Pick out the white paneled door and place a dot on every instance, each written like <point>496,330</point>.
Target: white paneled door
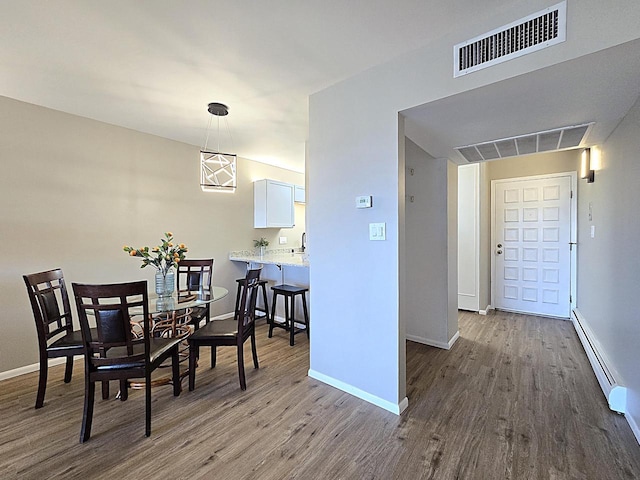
<point>531,245</point>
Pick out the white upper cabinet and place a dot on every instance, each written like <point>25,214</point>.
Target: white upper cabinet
<point>299,195</point>
<point>273,204</point>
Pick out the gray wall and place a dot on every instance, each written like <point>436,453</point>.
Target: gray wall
<point>354,149</point>
<point>609,264</point>
<point>74,190</point>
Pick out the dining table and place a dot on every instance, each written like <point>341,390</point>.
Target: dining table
<point>170,317</point>
<point>184,299</point>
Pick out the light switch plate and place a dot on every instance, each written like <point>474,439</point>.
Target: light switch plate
<point>283,240</point>
<point>377,231</point>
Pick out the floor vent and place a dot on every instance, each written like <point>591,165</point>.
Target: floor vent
<point>534,32</point>
<point>547,141</point>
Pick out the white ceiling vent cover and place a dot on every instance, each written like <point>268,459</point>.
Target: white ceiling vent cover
<point>534,32</point>
<point>548,141</point>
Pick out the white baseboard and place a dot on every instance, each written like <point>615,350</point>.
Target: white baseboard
<point>486,310</point>
<point>609,380</point>
<point>34,367</point>
<point>634,426</point>
<point>434,343</point>
<point>356,392</point>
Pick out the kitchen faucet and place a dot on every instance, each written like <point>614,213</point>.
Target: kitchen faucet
<point>304,240</point>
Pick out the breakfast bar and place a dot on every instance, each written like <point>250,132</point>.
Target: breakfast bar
<point>276,265</point>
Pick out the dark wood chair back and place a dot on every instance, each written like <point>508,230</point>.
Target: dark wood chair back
<point>113,307</point>
<point>247,316</point>
<point>194,275</point>
<point>50,304</point>
<point>54,324</point>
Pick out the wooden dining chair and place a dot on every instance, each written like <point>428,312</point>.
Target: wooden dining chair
<point>229,332</point>
<point>114,352</point>
<point>195,275</point>
<point>54,325</point>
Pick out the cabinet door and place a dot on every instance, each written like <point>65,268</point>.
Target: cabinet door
<point>299,194</point>
<point>273,204</point>
<point>279,204</point>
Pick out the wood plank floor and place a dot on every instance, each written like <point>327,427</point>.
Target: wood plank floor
<point>513,399</point>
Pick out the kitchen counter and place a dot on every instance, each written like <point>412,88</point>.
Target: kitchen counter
<point>280,257</point>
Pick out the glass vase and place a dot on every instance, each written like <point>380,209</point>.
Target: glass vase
<point>165,283</point>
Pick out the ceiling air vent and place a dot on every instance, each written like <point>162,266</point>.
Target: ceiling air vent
<point>548,141</point>
<point>534,32</point>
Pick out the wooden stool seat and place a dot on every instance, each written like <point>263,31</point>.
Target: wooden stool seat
<point>262,284</point>
<point>289,293</point>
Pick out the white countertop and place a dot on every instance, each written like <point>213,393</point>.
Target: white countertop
<point>272,257</point>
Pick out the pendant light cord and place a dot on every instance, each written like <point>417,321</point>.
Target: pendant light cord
<point>226,123</point>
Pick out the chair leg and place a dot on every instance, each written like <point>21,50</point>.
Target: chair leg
<point>87,414</point>
<point>243,382</point>
<point>213,356</point>
<point>253,349</point>
<point>105,389</point>
<point>68,369</point>
<point>147,404</point>
<point>42,380</point>
<point>124,389</point>
<point>175,367</point>
<point>193,353</point>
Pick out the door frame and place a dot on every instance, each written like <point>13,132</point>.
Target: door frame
<point>573,228</point>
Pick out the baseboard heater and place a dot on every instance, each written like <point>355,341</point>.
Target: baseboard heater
<point>615,393</point>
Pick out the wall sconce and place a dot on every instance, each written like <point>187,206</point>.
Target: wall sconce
<point>586,171</point>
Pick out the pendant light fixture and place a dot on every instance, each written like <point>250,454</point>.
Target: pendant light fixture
<point>217,169</point>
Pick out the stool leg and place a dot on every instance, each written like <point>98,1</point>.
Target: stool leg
<point>265,301</point>
<point>286,312</point>
<point>306,312</point>
<point>273,314</point>
<point>293,320</point>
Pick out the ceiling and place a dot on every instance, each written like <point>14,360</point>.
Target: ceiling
<point>599,88</point>
<point>154,65</point>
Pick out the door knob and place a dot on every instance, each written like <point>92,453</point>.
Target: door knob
<point>499,245</point>
<point>499,252</point>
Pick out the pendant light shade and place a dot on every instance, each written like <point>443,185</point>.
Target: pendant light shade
<point>217,169</point>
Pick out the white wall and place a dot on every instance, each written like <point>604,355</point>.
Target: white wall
<point>354,150</point>
<point>74,190</point>
<point>609,263</point>
<point>355,340</point>
<point>427,310</point>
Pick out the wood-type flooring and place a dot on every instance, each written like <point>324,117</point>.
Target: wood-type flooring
<point>515,398</point>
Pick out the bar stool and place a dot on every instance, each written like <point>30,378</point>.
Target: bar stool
<point>289,293</point>
<point>242,283</point>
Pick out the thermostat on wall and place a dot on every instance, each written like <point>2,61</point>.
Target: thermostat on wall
<point>364,201</point>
